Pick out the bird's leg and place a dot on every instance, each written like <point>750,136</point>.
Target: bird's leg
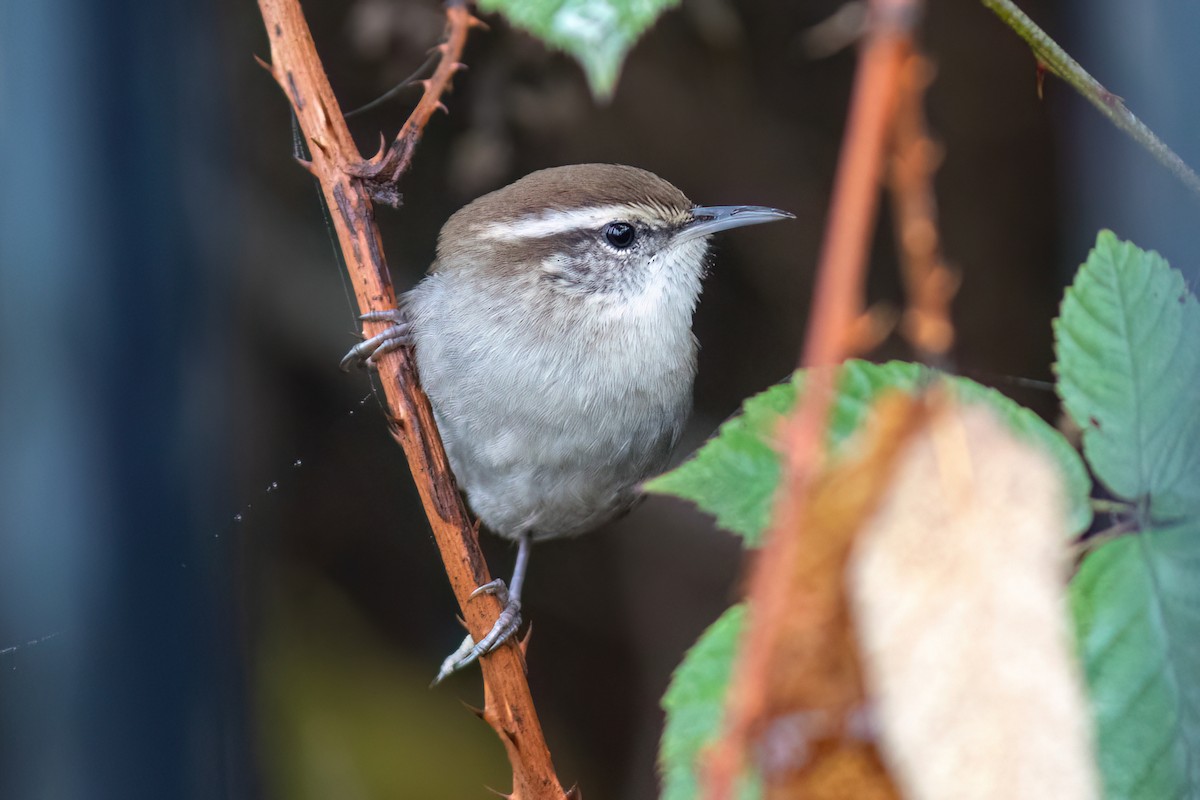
<point>367,353</point>
<point>506,624</point>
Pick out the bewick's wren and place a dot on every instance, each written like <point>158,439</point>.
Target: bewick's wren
<point>553,336</point>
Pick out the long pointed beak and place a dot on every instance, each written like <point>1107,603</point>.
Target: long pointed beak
<point>710,219</point>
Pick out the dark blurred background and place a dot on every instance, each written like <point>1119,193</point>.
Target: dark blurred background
<point>215,580</point>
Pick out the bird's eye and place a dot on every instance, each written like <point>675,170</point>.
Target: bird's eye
<point>619,234</point>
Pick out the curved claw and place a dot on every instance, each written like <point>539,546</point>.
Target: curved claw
<point>505,626</point>
<point>368,352</point>
<point>497,587</point>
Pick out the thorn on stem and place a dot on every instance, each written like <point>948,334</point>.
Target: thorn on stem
<point>523,643</point>
<point>919,73</point>
<point>375,159</point>
<point>505,732</point>
<point>871,328</point>
<point>265,65</point>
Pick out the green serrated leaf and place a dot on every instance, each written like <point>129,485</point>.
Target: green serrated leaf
<point>1128,349</point>
<point>734,475</point>
<point>695,702</point>
<point>1136,603</point>
<point>597,33</point>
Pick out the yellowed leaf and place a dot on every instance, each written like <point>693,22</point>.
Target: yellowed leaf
<point>812,742</point>
<point>957,588</point>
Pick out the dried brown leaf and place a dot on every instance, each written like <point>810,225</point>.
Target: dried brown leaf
<point>814,742</point>
<point>957,586</point>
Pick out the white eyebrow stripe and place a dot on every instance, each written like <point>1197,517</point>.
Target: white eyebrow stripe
<point>549,223</point>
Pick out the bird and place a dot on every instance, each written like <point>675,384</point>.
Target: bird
<point>553,337</point>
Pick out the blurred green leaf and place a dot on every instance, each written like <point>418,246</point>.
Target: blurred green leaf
<point>1136,603</point>
<point>695,702</point>
<point>1128,350</point>
<point>597,33</point>
<point>734,475</point>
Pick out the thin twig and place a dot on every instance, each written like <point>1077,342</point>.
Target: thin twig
<point>1056,60</point>
<point>297,68</point>
<point>836,308</point>
<point>929,284</point>
<point>383,170</point>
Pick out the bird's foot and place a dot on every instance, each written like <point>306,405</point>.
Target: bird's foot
<point>506,625</point>
<point>368,352</point>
